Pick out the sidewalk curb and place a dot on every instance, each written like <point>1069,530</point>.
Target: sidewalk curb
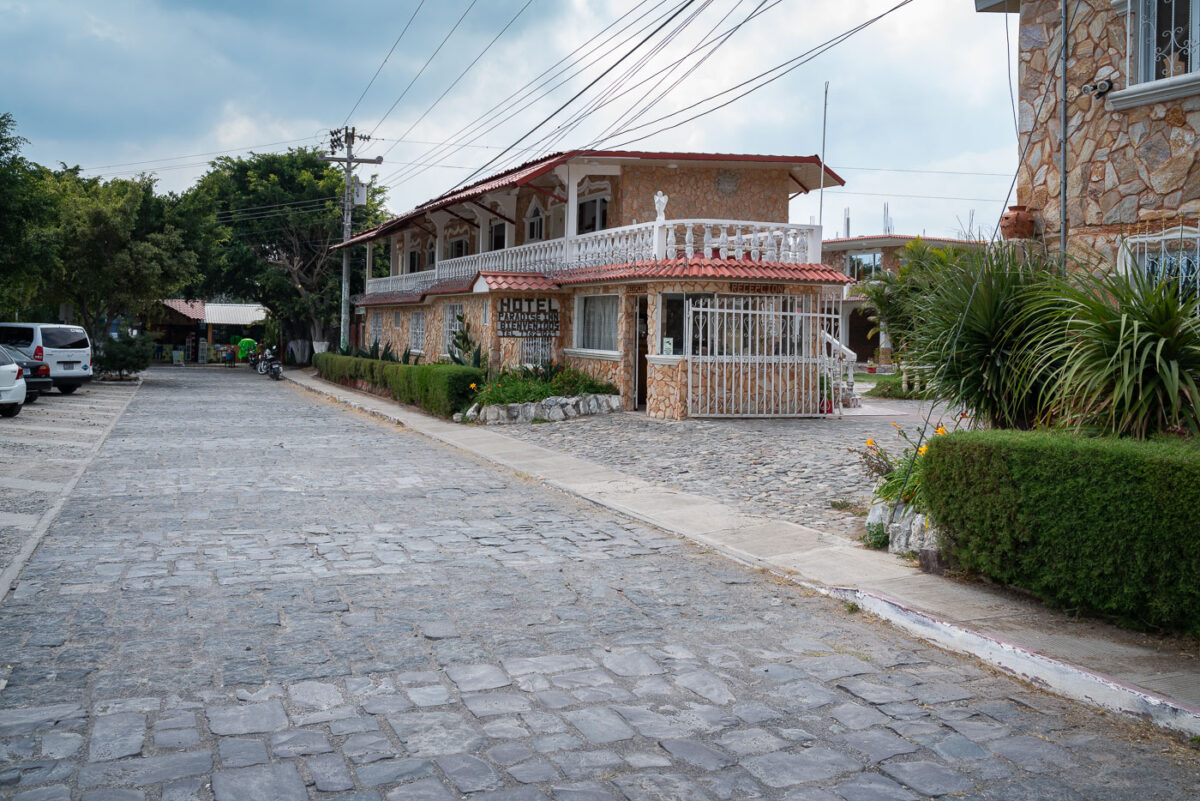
<point>1055,675</point>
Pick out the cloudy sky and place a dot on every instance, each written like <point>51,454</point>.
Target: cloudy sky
<point>919,107</point>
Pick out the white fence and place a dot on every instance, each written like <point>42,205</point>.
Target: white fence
<point>754,241</point>
<point>763,356</point>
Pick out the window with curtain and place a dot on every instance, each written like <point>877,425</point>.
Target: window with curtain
<point>416,330</point>
<point>597,327</point>
<point>376,327</point>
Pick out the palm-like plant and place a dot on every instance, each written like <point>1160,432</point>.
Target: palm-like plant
<point>973,324</point>
<point>1124,353</point>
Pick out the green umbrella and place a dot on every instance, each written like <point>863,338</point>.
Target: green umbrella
<point>245,346</point>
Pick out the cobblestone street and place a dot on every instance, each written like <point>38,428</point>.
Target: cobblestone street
<point>255,595</point>
<point>790,469</point>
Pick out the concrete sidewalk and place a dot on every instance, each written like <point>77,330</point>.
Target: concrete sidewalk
<point>1081,659</point>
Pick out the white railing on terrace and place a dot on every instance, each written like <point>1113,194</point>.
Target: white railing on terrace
<point>735,239</point>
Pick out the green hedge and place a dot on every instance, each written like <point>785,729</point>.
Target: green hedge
<point>1106,526</point>
<point>890,385</point>
<point>442,389</point>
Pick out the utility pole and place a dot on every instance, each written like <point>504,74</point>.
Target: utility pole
<point>338,138</point>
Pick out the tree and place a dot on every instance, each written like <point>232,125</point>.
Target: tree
<point>115,254</point>
<point>126,353</point>
<point>270,221</point>
<point>24,208</point>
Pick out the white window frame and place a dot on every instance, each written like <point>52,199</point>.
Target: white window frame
<point>503,226</point>
<point>376,335</point>
<point>465,241</point>
<point>416,331</point>
<point>535,214</point>
<point>580,325</point>
<point>414,261</point>
<point>396,319</point>
<point>1135,250</point>
<point>1142,87</point>
<point>597,199</point>
<point>450,325</point>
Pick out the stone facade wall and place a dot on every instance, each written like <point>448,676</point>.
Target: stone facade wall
<point>666,390</point>
<point>1132,171</point>
<point>703,192</point>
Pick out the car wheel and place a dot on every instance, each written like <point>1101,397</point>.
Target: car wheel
<point>10,410</point>
<point>30,397</point>
<point>67,389</point>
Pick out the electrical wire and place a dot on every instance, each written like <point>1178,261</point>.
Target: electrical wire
<point>578,94</point>
<point>489,120</point>
<point>424,66</point>
<point>395,44</point>
<point>433,105</point>
<point>782,69</point>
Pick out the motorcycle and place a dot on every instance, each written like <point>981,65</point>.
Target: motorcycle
<point>263,361</point>
<point>274,367</point>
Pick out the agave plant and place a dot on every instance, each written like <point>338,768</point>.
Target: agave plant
<point>975,325</point>
<point>1125,353</point>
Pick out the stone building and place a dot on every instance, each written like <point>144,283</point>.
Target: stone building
<point>1133,113</point>
<point>675,276</point>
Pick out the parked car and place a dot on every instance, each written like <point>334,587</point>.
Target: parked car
<point>37,374</point>
<point>12,385</point>
<point>65,348</point>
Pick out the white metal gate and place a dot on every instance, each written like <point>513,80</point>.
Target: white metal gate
<point>763,356</point>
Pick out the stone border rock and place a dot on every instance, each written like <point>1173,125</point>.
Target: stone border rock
<point>553,409</point>
<point>909,532</point>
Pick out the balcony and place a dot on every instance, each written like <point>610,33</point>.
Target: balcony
<point>736,239</point>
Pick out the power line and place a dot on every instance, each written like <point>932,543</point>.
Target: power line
<point>421,71</point>
<point>592,83</point>
<point>783,69</point>
<point>371,82</point>
<point>198,155</point>
<point>461,74</point>
<point>489,120</point>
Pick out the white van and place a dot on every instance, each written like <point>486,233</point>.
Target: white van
<point>66,348</point>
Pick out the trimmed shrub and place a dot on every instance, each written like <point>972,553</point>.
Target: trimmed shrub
<point>890,385</point>
<point>126,354</point>
<point>1102,525</point>
<point>440,389</point>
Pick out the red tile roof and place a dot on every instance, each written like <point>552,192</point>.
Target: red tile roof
<point>699,267</point>
<point>531,170</point>
<point>192,309</point>
<point>519,282</point>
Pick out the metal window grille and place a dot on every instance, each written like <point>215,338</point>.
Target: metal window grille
<point>376,327</point>
<point>416,330</point>
<point>1173,255</point>
<point>1167,37</point>
<point>451,324</point>
<point>537,350</point>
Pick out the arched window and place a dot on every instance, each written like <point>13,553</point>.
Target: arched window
<point>535,223</point>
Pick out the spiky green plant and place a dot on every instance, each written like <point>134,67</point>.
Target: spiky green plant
<point>974,324</point>
<point>1125,352</point>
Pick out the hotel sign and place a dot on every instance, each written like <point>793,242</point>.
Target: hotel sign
<point>527,317</point>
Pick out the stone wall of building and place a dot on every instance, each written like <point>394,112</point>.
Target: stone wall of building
<point>666,390</point>
<point>1131,171</point>
<point>704,193</point>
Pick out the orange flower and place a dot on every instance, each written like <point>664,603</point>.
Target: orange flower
<point>893,425</point>
<point>941,431</point>
<point>870,443</point>
<point>472,386</point>
<point>921,450</point>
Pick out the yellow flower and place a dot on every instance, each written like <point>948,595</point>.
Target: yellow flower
<point>472,386</point>
<point>941,431</point>
<point>921,450</point>
<point>870,443</point>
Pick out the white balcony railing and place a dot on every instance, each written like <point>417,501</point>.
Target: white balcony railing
<point>736,239</point>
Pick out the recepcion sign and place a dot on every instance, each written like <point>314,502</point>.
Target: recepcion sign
<point>527,317</point>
